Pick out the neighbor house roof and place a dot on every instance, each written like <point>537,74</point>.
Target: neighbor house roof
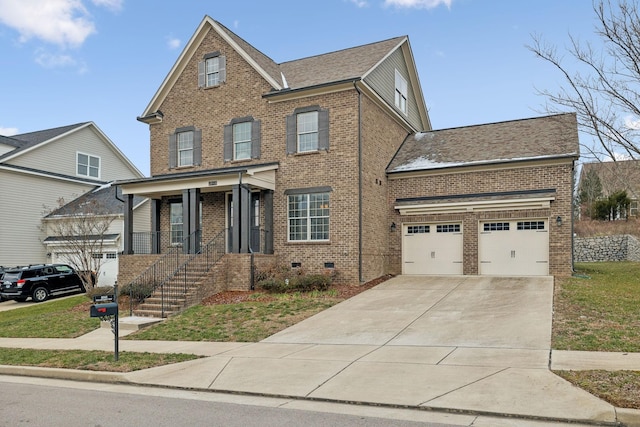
<point>518,140</point>
<point>28,140</point>
<point>616,176</point>
<point>104,200</point>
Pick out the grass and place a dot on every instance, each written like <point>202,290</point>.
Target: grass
<point>600,311</point>
<point>250,321</point>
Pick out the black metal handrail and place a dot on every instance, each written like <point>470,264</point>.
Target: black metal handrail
<point>169,278</point>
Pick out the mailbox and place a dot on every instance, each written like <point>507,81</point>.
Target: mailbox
<point>103,310</point>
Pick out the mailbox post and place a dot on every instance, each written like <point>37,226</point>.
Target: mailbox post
<point>108,311</point>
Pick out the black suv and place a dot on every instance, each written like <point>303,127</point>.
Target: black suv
<point>39,282</point>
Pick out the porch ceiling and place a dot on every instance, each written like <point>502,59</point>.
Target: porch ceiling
<point>221,180</point>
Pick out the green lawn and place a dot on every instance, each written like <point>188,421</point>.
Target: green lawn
<point>600,310</point>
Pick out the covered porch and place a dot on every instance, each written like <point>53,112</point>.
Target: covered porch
<point>191,208</point>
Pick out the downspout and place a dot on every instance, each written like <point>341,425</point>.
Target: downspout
<point>355,85</point>
<point>573,210</point>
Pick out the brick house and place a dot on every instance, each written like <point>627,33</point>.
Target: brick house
<point>305,162</point>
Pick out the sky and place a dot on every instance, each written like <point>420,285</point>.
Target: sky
<point>69,61</point>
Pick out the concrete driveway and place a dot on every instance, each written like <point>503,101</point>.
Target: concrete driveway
<point>453,311</point>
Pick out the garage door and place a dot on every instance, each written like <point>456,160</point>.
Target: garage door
<point>514,248</point>
<point>432,249</point>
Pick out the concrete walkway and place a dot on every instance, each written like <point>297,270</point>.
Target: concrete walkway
<point>457,345</point>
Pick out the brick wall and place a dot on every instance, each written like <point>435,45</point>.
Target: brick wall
<point>556,176</point>
<point>131,266</point>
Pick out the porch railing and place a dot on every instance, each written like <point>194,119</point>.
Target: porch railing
<point>170,277</point>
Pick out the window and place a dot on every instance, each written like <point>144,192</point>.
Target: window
<point>112,256</point>
<point>401,92</point>
<point>96,256</point>
<point>88,165</point>
<point>212,70</point>
<point>308,130</point>
<point>448,228</point>
<point>185,147</point>
<point>418,229</point>
<point>242,139</point>
<point>633,208</point>
<point>531,225</point>
<point>496,226</point>
<point>309,217</point>
<point>176,223</point>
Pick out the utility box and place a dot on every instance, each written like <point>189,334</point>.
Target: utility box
<point>103,310</point>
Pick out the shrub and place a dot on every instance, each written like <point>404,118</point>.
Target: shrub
<point>282,279</point>
<point>137,291</point>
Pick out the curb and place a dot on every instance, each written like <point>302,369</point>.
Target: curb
<point>64,374</point>
<point>628,417</point>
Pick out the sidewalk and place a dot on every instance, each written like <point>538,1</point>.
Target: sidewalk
<point>351,354</point>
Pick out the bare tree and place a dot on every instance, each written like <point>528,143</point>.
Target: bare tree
<point>602,82</point>
<point>79,229</point>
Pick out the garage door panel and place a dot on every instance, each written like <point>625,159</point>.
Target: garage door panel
<point>432,249</point>
<point>514,248</point>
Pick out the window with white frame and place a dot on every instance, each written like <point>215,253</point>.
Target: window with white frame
<point>633,208</point>
<point>176,223</point>
<point>88,165</point>
<point>307,131</point>
<point>212,70</point>
<point>242,141</point>
<point>185,148</point>
<point>401,92</point>
<point>308,217</point>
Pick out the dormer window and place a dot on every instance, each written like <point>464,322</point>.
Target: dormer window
<point>88,165</point>
<point>401,92</point>
<point>212,70</point>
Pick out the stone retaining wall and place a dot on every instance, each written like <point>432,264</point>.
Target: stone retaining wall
<point>606,248</point>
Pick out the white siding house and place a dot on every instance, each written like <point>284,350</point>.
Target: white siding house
<point>38,171</point>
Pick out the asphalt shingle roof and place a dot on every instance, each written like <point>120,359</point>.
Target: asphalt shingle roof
<point>535,138</point>
<point>100,201</point>
<point>30,139</point>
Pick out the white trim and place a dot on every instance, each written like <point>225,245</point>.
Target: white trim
<point>49,175</point>
<point>89,156</point>
<point>485,205</point>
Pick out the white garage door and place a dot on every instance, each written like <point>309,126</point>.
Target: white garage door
<point>514,248</point>
<point>432,249</point>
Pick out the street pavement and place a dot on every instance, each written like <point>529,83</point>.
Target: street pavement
<point>468,350</point>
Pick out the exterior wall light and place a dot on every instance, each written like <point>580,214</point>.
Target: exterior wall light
<point>558,220</point>
<point>393,226</point>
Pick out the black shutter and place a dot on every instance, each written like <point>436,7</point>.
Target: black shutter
<point>201,74</point>
<point>255,139</point>
<point>292,142</point>
<point>228,143</point>
<point>222,68</point>
<point>173,151</point>
<point>197,147</point>
<point>323,129</point>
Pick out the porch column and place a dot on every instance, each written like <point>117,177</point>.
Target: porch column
<point>194,220</point>
<point>155,226</point>
<point>245,219</point>
<point>128,224</point>
<point>268,221</point>
<point>241,196</point>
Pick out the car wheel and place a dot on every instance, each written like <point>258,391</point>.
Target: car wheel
<point>40,294</point>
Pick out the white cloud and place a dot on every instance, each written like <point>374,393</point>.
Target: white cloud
<point>632,123</point>
<point>58,60</point>
<point>173,43</point>
<point>66,23</point>
<point>114,5</point>
<point>360,3</point>
<point>8,131</point>
<point>418,4</point>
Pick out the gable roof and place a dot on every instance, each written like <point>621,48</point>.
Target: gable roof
<point>104,200</point>
<point>351,64</point>
<point>32,140</point>
<point>539,138</point>
<point>616,176</point>
<point>7,140</point>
